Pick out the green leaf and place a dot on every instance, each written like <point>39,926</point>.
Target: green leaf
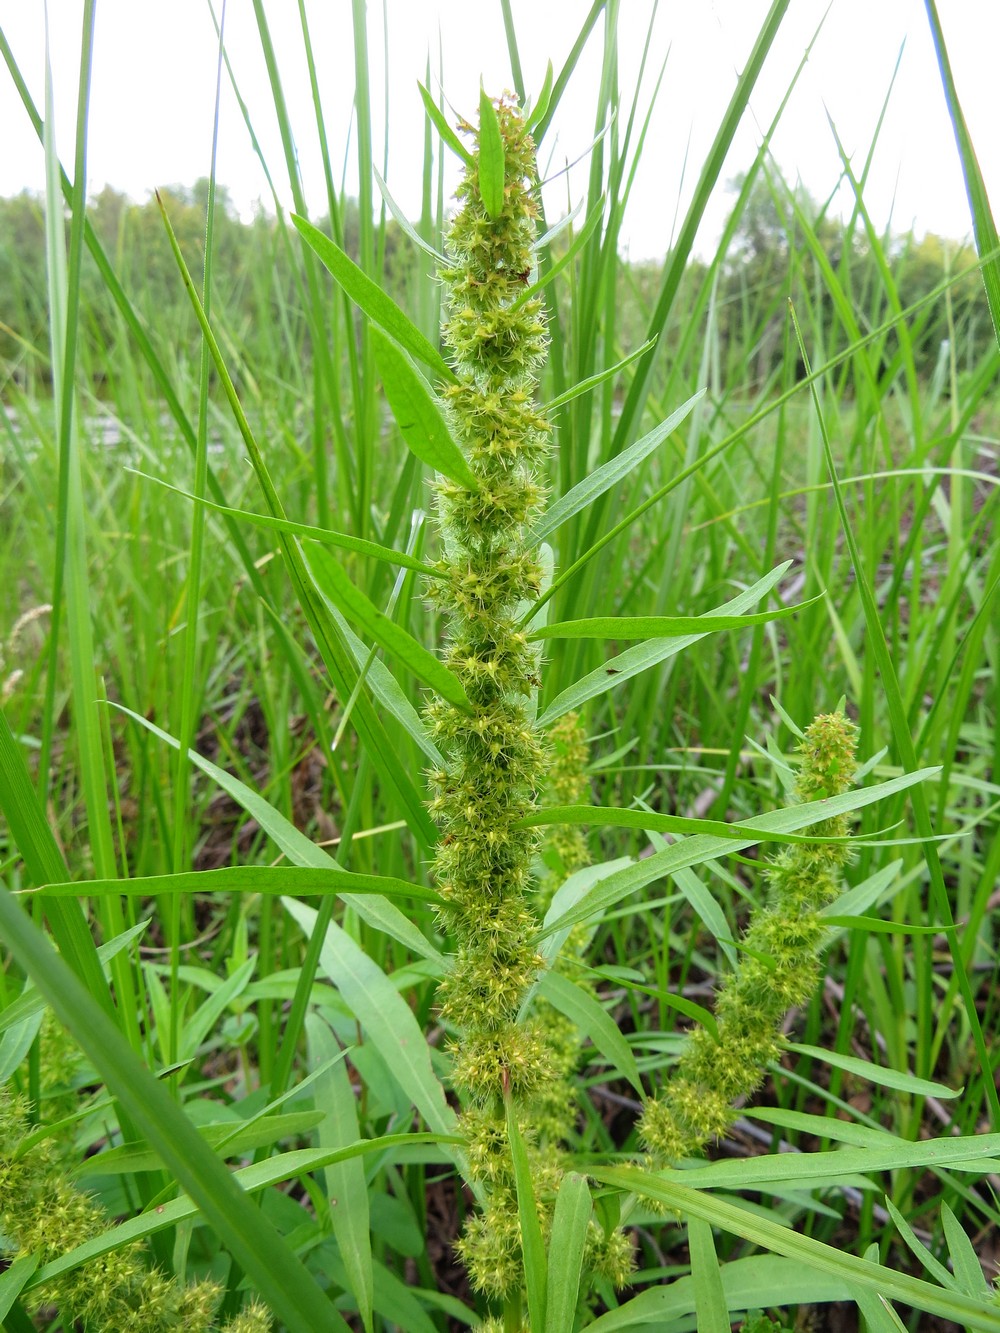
<point>605,816</point>
<point>322,535</point>
<point>418,413</point>
<point>224,1138</point>
<point>594,1022</point>
<point>532,1246</point>
<point>706,1278</point>
<point>384,1015</point>
<point>566,1246</point>
<point>987,240</point>
<point>33,838</point>
<point>335,584</point>
<point>12,1282</point>
<point>973,1153</point>
<point>556,267</point>
<point>370,298</point>
<point>755,1283</point>
<point>387,689</point>
<point>617,670</point>
<point>823,1259</point>
<point>280,880</point>
<point>491,157</point>
<point>448,135</point>
<point>301,850</point>
<point>964,1260</point>
<point>367,723</point>
<point>30,1002</point>
<point>878,1074</point>
<point>346,1186</point>
<point>592,381</point>
<point>251,1179</point>
<point>542,105</point>
<point>603,478</point>
<point>259,1249</point>
<point>641,627</point>
<point>694,851</point>
<point>404,222</point>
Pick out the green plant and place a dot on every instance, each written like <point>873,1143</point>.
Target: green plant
<point>247,825</point>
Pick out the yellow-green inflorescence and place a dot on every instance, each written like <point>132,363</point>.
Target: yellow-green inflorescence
<point>45,1215</point>
<point>497,759</point>
<point>496,756</point>
<point>780,965</point>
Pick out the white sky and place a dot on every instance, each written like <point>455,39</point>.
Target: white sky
<point>154,87</point>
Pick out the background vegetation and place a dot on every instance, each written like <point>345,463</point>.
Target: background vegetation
<point>179,698</point>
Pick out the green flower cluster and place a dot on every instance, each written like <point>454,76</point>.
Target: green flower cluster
<point>43,1214</point>
<point>780,966</point>
<point>498,762</point>
<point>496,757</point>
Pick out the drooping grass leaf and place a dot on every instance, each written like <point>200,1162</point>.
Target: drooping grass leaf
<point>418,413</point>
<point>224,1138</point>
<point>759,1282</point>
<point>617,670</point>
<point>251,1179</point>
<point>601,816</point>
<point>885,1077</point>
<point>299,849</point>
<point>824,1259</point>
<point>342,539</point>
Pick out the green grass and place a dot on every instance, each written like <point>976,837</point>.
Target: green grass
<point>205,688</point>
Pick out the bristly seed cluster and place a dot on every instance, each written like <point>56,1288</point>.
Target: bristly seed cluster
<point>496,757</point>
<point>779,969</point>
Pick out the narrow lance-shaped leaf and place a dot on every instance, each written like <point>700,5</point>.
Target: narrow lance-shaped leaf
<point>448,135</point>
<point>600,480</point>
<point>491,157</point>
<point>542,105</point>
<point>966,1311</point>
<point>641,627</point>
<point>592,381</point>
<point>695,851</point>
<point>418,413</point>
<point>615,672</point>
<point>532,1246</point>
<point>335,584</point>
<point>323,535</point>
<point>370,298</point>
<point>302,880</point>
<point>566,1246</point>
<point>594,1021</point>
